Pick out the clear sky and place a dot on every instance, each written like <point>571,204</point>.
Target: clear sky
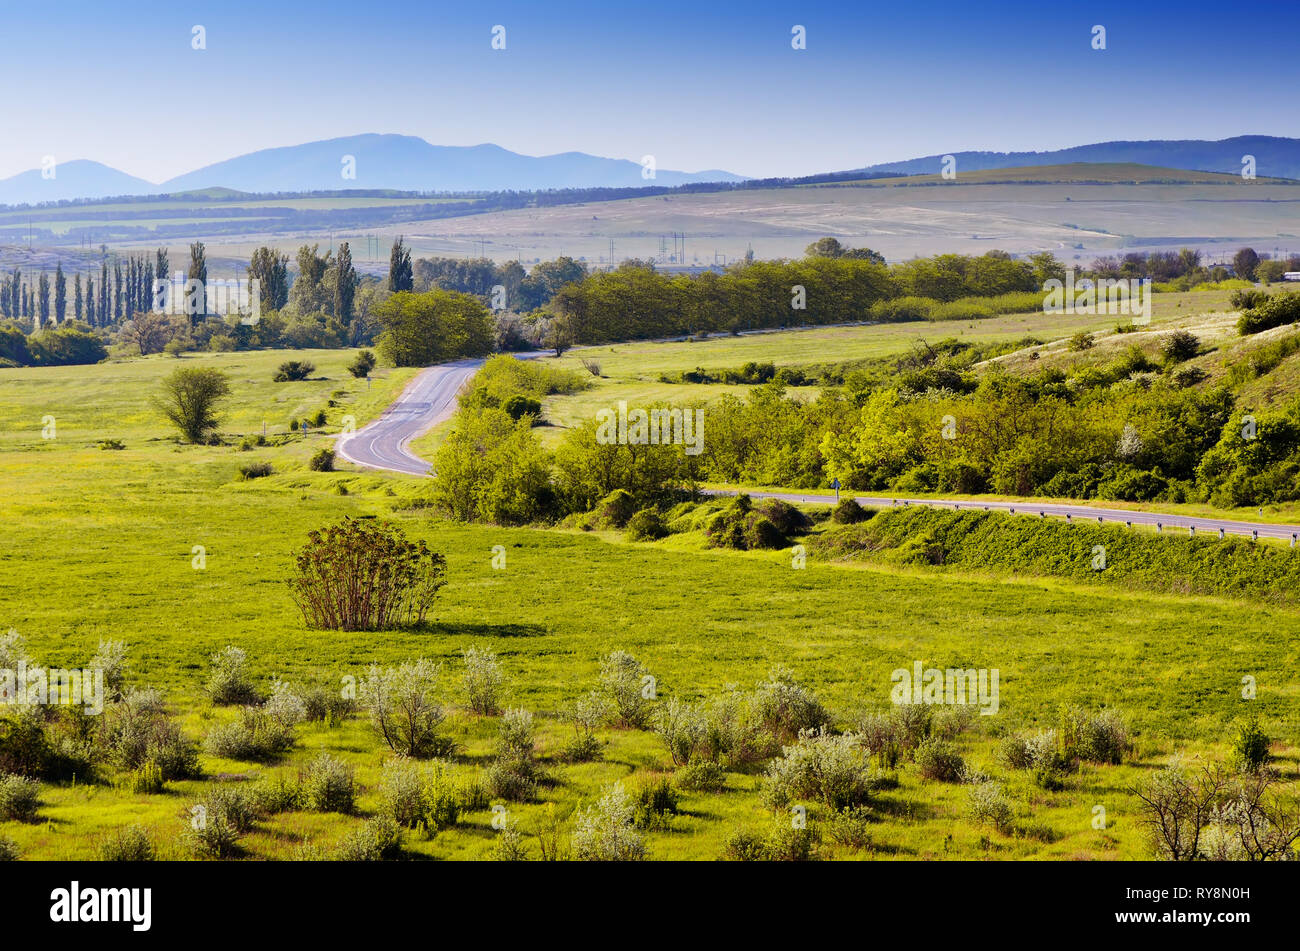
<point>696,84</point>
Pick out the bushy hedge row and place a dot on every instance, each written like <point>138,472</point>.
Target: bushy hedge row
<point>1268,312</point>
<point>1027,545</point>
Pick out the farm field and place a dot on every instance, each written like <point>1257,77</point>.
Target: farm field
<point>1078,211</point>
<point>100,544</point>
<point>1076,221</point>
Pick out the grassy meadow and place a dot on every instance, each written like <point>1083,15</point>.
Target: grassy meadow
<point>100,543</point>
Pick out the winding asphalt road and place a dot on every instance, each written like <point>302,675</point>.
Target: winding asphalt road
<point>427,400</point>
<point>431,398</point>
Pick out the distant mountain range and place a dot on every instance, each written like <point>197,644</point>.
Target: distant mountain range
<point>408,163</point>
<point>402,162</point>
<point>1275,157</point>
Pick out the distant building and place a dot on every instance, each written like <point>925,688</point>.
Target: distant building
<point>1291,276</point>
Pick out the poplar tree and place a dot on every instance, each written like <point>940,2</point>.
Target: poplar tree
<point>60,294</point>
<point>43,298</point>
<point>271,270</point>
<point>198,272</point>
<point>401,277</point>
<point>345,285</point>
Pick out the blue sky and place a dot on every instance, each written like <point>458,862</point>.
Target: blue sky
<point>697,85</point>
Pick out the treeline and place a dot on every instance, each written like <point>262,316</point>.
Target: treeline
<point>994,541</point>
<point>121,292</point>
<point>1183,270</point>
<point>634,301</point>
<point>521,290</point>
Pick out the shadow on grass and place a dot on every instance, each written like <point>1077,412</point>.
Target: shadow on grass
<point>477,630</point>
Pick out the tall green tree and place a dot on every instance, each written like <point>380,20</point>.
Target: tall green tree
<point>117,292</point>
<point>198,271</point>
<point>1244,263</point>
<point>77,303</point>
<point>345,285</point>
<point>43,298</point>
<point>271,270</point>
<point>400,275</point>
<point>60,294</point>
<point>190,398</point>
<point>309,293</point>
<point>422,329</point>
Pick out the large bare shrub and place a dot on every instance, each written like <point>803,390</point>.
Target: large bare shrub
<point>355,576</point>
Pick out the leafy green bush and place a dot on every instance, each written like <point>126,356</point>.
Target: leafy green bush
<point>987,805</point>
<point>849,512</point>
<point>1081,341</point>
<point>786,708</point>
<point>130,844</point>
<point>615,510</point>
<point>256,470</point>
<point>509,846</point>
<point>404,709</point>
<point>147,778</point>
<point>829,769</point>
<point>623,681</point>
<point>362,365</point>
<point>1250,744</point>
<point>740,526</point>
<point>322,461</point>
<point>1179,346</point>
<point>851,827</point>
<point>790,843</point>
<point>377,839</point>
<point>744,845</point>
<point>254,735</point>
<point>682,727</point>
<point>20,797</point>
<point>8,849</point>
<point>606,831</point>
<point>936,759</point>
<point>586,716</point>
<point>482,681</point>
<point>421,797</point>
<point>229,681</point>
<point>655,804</point>
<point>327,785</point>
<point>702,776</point>
<point>1272,312</point>
<point>276,795</point>
<point>519,406</point>
<point>215,825</point>
<point>140,732</point>
<point>646,525</point>
<point>514,774</point>
<point>293,370</point>
<point>492,468</point>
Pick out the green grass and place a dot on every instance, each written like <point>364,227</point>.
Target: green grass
<point>630,371</point>
<point>99,544</point>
